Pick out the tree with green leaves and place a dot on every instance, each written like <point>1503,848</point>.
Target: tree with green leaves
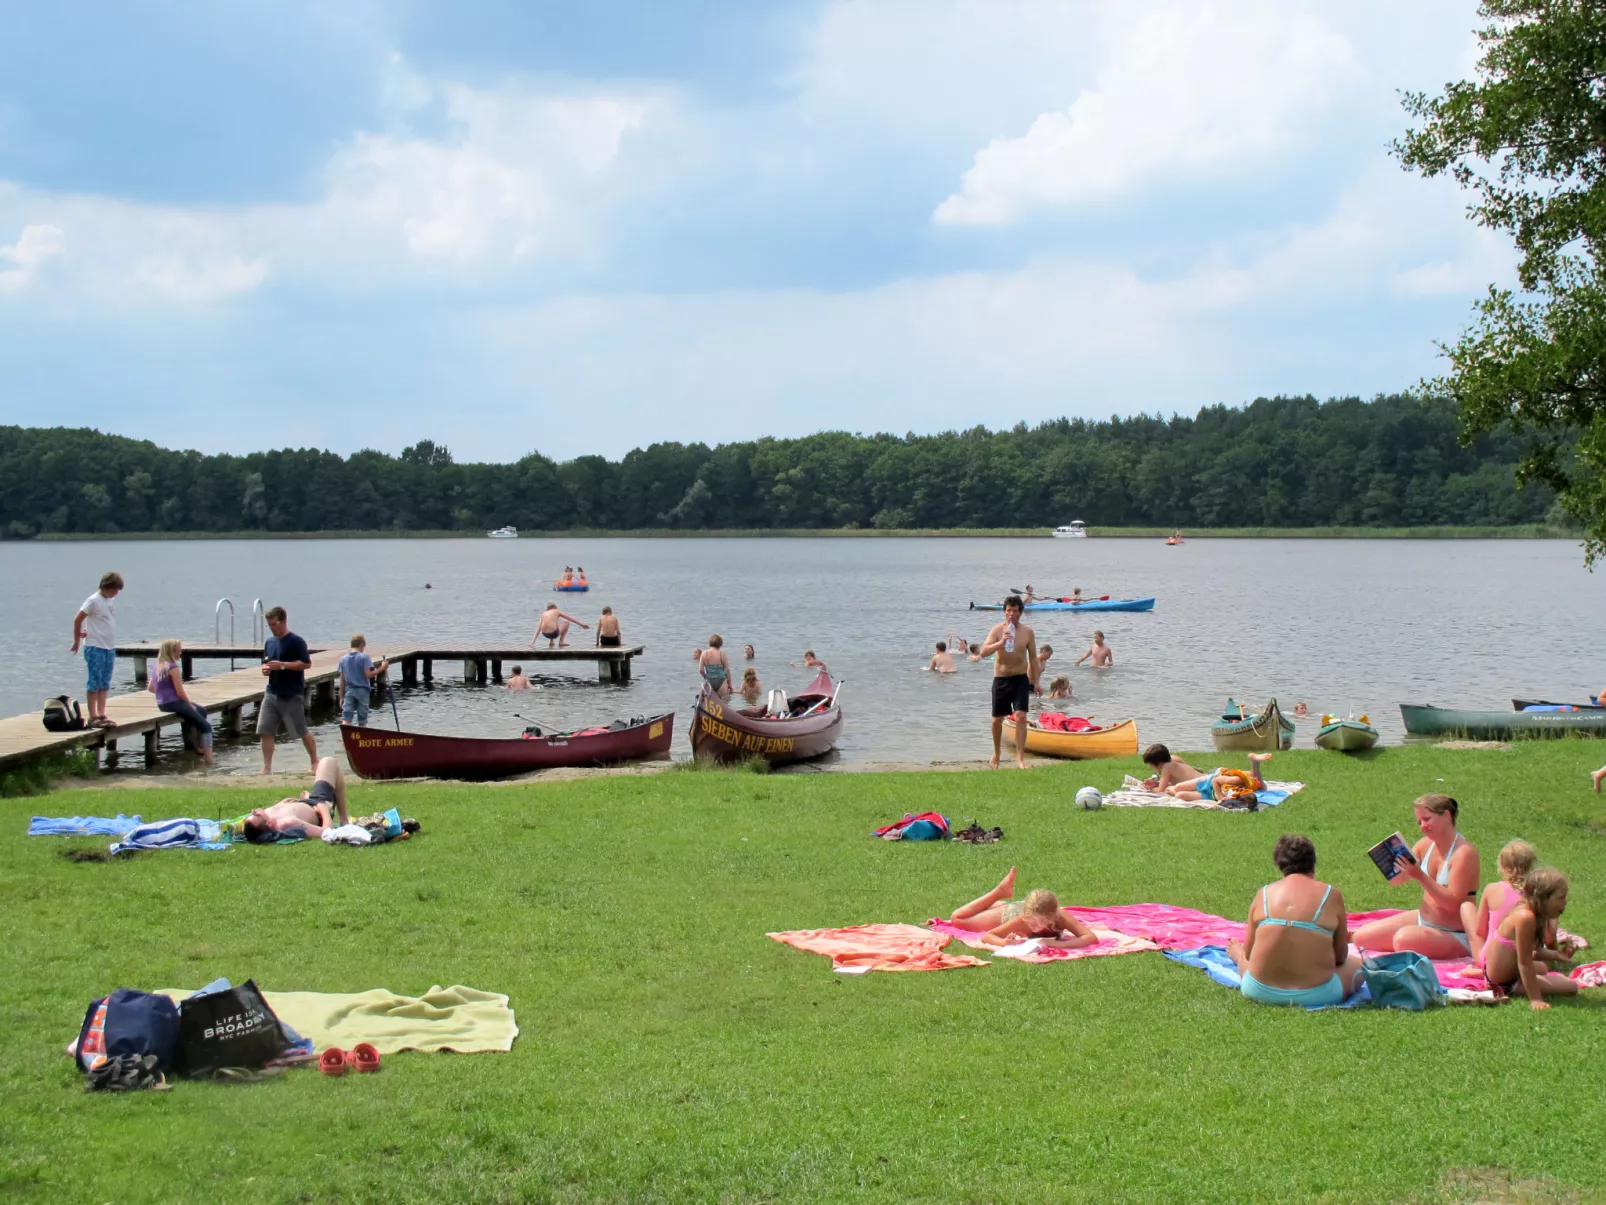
<point>1528,139</point>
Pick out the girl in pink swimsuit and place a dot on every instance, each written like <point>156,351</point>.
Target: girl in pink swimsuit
<point>1499,898</point>
<point>1514,949</point>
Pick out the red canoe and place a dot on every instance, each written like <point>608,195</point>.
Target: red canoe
<point>720,732</point>
<point>379,753</point>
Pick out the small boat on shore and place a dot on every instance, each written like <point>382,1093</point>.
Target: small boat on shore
<point>1241,729</point>
<point>1075,530</point>
<point>1525,704</point>
<point>1423,720</point>
<point>809,727</point>
<point>1116,740</point>
<point>1091,604</point>
<point>1346,735</point>
<point>504,533</point>
<point>381,753</point>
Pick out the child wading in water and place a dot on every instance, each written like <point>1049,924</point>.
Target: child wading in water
<point>1003,921</point>
<point>1516,945</point>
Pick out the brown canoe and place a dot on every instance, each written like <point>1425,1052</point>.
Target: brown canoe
<point>380,753</point>
<point>721,732</point>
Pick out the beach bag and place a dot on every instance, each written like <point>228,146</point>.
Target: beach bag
<point>1402,980</point>
<point>231,1027</point>
<point>128,1022</point>
<point>63,714</point>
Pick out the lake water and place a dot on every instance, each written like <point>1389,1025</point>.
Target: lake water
<point>1342,624</point>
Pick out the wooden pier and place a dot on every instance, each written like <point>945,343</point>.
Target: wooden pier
<point>227,695</point>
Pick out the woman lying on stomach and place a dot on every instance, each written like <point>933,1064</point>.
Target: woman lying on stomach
<point>1296,945</point>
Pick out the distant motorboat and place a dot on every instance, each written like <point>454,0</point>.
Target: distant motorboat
<point>504,533</point>
<point>1072,531</point>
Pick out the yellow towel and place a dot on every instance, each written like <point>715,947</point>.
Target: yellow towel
<point>457,1018</point>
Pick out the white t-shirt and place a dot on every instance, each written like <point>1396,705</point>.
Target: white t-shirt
<point>100,621</point>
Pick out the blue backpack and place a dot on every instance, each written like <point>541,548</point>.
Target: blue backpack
<point>129,1022</point>
<point>1402,980</point>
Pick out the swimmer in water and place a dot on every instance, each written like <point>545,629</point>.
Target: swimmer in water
<point>1099,652</point>
<point>752,689</point>
<point>516,680</point>
<point>942,663</point>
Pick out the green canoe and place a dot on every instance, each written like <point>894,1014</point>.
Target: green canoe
<point>1346,736</point>
<point>1242,729</point>
<point>1497,725</point>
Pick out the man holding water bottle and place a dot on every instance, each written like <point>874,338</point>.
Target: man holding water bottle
<point>1013,647</point>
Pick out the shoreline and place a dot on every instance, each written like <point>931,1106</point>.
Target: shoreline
<point>1527,531</point>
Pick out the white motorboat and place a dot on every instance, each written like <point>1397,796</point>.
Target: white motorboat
<point>1073,531</point>
<point>504,533</point>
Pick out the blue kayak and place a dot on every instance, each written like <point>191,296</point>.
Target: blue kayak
<point>1092,604</point>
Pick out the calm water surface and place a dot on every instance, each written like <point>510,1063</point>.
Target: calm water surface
<point>1341,624</point>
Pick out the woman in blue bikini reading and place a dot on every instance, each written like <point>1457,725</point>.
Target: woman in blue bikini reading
<point>1296,945</point>
<point>1447,867</point>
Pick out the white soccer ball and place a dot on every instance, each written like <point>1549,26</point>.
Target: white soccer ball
<point>1090,798</point>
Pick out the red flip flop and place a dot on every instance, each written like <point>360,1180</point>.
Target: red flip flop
<point>364,1057</point>
<point>332,1061</point>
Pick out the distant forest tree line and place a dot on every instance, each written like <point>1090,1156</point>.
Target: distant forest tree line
<point>1395,461</point>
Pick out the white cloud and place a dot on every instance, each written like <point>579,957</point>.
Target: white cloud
<point>36,244</point>
<point>1190,90</point>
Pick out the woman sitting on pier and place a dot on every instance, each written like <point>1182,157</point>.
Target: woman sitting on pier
<point>168,686</point>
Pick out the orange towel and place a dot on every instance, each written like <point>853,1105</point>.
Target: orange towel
<point>860,948</point>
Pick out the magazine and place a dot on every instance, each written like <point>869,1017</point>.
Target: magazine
<point>1390,854</point>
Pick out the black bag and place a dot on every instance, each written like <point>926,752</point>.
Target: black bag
<point>128,1022</point>
<point>63,714</point>
<point>233,1027</point>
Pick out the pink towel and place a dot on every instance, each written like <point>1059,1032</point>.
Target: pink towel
<point>1591,974</point>
<point>878,948</point>
<point>1109,943</point>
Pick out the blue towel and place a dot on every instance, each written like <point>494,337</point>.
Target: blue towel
<point>1215,962</point>
<point>178,833</point>
<point>81,826</point>
<point>1270,798</point>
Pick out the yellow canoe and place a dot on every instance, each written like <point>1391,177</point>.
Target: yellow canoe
<point>1118,740</point>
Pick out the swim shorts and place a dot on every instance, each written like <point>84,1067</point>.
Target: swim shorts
<point>1011,694</point>
<point>275,712</point>
<point>323,791</point>
<point>99,663</point>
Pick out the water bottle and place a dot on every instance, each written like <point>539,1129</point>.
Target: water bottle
<point>1009,638</point>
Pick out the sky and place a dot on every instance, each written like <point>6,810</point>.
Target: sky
<point>522,225</point>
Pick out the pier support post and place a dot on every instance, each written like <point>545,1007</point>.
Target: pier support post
<point>624,668</point>
<point>230,722</point>
<point>142,674</point>
<point>410,672</point>
<point>151,737</point>
<point>468,671</point>
<point>429,670</point>
<point>111,754</point>
<point>496,671</point>
<point>188,665</point>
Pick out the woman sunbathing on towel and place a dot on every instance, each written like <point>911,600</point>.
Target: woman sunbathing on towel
<point>1222,784</point>
<point>1436,928</point>
<point>1003,921</point>
<point>1296,944</point>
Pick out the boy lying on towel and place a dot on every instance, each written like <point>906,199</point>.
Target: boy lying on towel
<point>1224,785</point>
<point>305,815</point>
<point>1169,771</point>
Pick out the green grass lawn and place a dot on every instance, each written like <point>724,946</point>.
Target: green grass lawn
<point>671,1052</point>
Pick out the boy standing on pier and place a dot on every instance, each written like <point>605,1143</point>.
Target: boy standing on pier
<point>95,627</point>
<point>285,662</point>
<point>357,674</point>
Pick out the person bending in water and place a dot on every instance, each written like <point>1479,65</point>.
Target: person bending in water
<point>554,627</point>
<point>1013,647</point>
<point>715,666</point>
<point>305,815</point>
<point>1100,652</point>
<point>1168,770</point>
<point>1004,921</point>
<point>752,689</point>
<point>1296,944</point>
<point>1435,929</point>
<point>942,663</point>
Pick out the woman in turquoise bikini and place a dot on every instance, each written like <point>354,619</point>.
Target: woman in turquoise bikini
<point>1296,945</point>
<point>1436,929</point>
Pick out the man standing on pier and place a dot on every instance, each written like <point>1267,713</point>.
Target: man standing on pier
<point>285,662</point>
